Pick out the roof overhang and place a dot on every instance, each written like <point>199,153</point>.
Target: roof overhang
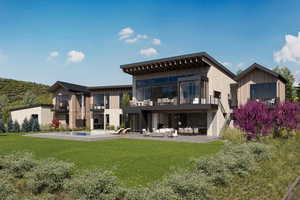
<point>262,68</point>
<point>194,60</point>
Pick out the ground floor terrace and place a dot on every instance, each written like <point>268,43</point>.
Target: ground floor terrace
<point>184,120</point>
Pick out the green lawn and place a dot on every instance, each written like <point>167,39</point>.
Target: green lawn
<point>135,162</point>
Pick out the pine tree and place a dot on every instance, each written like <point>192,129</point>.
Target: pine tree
<point>2,126</point>
<point>26,126</point>
<point>16,127</point>
<point>35,125</point>
<point>30,124</point>
<point>10,126</point>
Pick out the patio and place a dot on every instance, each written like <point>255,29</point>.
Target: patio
<point>108,136</point>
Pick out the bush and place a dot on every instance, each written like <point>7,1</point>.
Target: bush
<point>157,192</point>
<point>55,123</point>
<point>10,126</point>
<point>2,126</point>
<point>94,184</point>
<point>35,125</point>
<point>26,126</point>
<point>260,151</point>
<point>49,176</point>
<point>17,164</point>
<point>16,127</point>
<point>189,186</point>
<point>7,190</point>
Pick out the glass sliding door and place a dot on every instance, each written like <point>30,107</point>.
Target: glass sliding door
<point>189,92</point>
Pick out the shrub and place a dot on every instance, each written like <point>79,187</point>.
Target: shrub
<point>49,176</point>
<point>26,126</point>
<point>17,163</point>
<point>7,190</point>
<point>189,186</point>
<point>157,192</point>
<point>55,123</point>
<point>10,126</point>
<point>16,127</point>
<point>35,125</point>
<point>254,118</point>
<point>2,126</point>
<point>260,151</point>
<point>94,184</point>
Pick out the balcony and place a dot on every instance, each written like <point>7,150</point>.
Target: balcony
<point>97,108</point>
<point>61,108</point>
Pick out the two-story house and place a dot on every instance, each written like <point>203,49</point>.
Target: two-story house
<point>77,106</point>
<point>194,93</point>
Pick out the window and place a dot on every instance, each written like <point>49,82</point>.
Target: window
<point>263,91</point>
<point>107,101</point>
<point>121,120</point>
<point>35,116</point>
<point>189,92</point>
<point>217,94</point>
<point>107,119</point>
<point>99,100</point>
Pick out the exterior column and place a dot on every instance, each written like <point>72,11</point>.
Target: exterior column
<point>72,111</point>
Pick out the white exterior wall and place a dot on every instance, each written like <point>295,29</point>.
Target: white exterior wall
<point>114,117</point>
<point>218,81</point>
<point>45,115</point>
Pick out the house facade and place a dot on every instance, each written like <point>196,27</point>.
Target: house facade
<point>190,93</point>
<point>77,106</point>
<point>194,93</point>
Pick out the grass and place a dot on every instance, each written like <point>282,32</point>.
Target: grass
<point>273,177</point>
<point>135,162</point>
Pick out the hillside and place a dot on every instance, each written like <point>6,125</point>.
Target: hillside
<point>14,93</point>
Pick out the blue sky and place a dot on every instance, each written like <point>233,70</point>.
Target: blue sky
<point>85,42</point>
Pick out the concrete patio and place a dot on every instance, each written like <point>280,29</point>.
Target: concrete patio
<point>60,135</point>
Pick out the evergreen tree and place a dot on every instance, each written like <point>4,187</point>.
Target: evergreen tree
<point>30,123</point>
<point>2,126</point>
<point>26,126</point>
<point>35,125</point>
<point>10,126</point>
<point>288,75</point>
<point>16,127</point>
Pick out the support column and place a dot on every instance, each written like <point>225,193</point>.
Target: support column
<point>72,111</point>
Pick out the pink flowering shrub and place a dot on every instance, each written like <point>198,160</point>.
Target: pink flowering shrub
<point>258,119</point>
<point>254,118</point>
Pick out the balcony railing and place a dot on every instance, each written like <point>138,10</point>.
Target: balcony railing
<point>174,101</point>
<point>58,107</point>
<point>96,107</point>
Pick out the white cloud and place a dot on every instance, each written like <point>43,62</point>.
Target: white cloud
<point>52,55</point>
<point>125,33</point>
<point>227,64</point>
<point>148,52</point>
<point>156,41</point>
<point>75,56</point>
<point>290,52</point>
<point>135,39</point>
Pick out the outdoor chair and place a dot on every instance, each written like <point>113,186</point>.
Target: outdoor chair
<point>119,131</point>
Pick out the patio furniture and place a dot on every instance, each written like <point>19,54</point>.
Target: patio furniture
<point>125,130</point>
<point>119,131</point>
<point>146,133</point>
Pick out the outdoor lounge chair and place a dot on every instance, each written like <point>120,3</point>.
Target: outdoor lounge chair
<point>119,131</point>
<point>125,130</point>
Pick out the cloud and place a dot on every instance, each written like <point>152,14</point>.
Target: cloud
<point>125,33</point>
<point>75,56</point>
<point>156,41</point>
<point>135,39</point>
<point>148,52</point>
<point>227,64</point>
<point>52,55</point>
<point>290,52</point>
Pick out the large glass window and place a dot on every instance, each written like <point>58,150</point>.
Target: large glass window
<point>189,92</point>
<point>263,91</point>
<point>62,101</point>
<point>99,100</point>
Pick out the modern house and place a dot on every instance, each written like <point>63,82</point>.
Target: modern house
<point>78,106</point>
<point>42,112</point>
<point>194,93</point>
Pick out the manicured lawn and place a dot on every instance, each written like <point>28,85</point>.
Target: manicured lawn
<point>135,162</point>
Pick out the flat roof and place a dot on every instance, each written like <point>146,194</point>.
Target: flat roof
<point>31,106</point>
<point>107,87</point>
<point>172,63</point>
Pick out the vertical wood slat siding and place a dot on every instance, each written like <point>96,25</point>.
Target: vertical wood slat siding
<point>257,76</point>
